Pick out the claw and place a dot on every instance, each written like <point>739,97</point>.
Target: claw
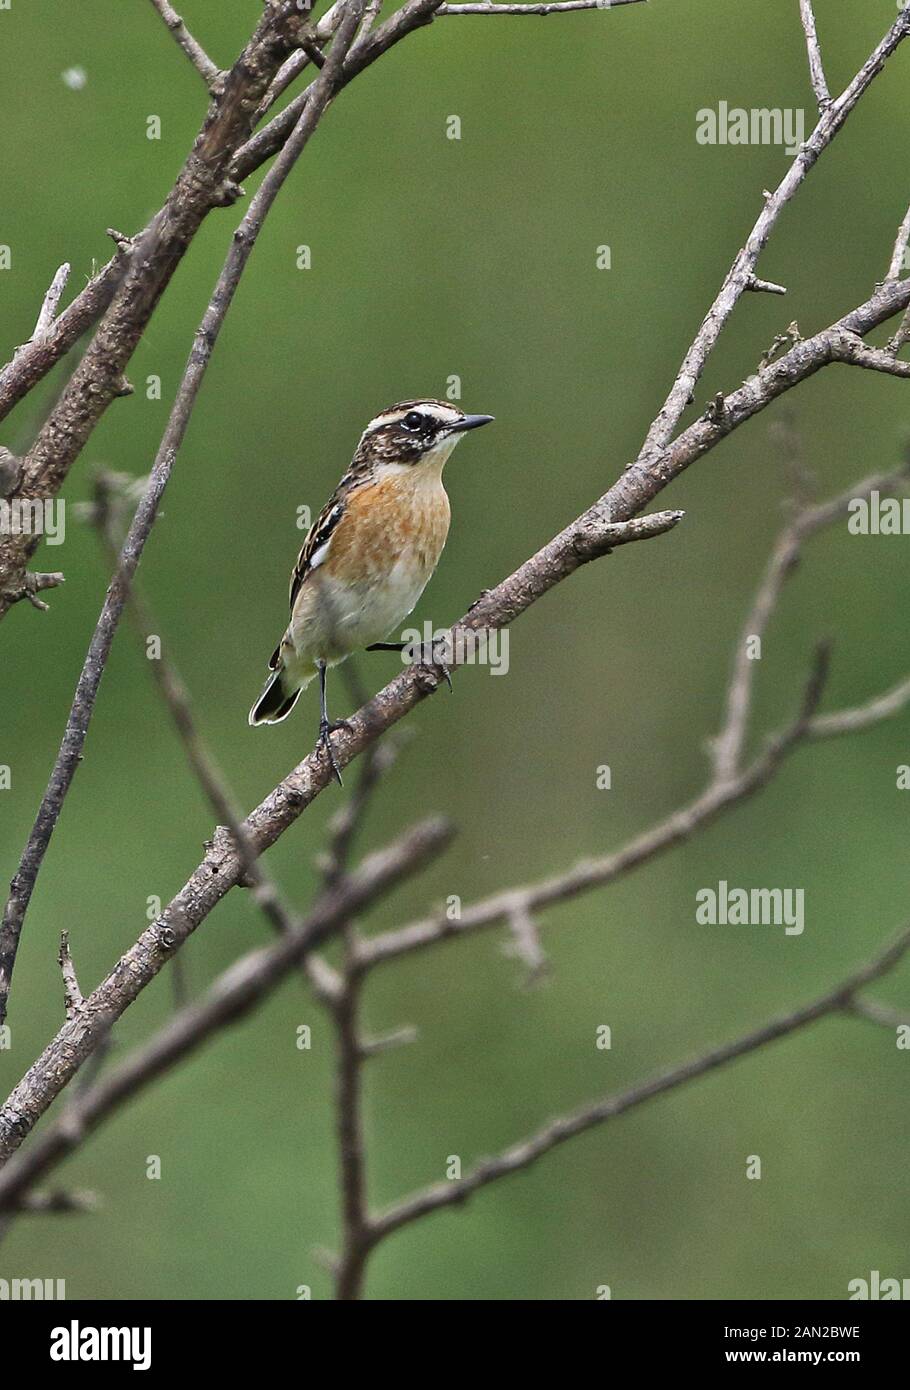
<point>326,729</point>
<point>441,666</point>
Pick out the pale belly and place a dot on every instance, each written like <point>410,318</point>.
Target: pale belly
<point>333,621</point>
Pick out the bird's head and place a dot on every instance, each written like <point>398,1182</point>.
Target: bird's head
<point>416,433</point>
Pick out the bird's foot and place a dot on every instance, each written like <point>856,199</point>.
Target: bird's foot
<point>327,727</point>
<point>437,659</point>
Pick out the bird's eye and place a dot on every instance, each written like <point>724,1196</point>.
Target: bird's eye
<point>413,420</point>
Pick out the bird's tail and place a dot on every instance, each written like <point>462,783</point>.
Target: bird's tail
<point>276,701</point>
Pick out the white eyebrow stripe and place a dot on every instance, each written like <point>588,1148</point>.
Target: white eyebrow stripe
<point>443,415</point>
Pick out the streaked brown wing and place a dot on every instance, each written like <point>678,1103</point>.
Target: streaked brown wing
<point>318,535</point>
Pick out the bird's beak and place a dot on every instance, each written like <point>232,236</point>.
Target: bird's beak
<point>470,422</point>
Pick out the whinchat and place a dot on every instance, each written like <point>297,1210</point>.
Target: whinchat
<point>369,554</point>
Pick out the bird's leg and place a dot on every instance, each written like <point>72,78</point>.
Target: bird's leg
<point>328,726</point>
<point>405,646</point>
<point>434,660</point>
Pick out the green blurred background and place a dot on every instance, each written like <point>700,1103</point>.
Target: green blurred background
<point>430,258</point>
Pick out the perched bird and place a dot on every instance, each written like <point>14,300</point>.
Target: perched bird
<point>369,554</point>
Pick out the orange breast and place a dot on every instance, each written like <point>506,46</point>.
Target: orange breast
<point>405,514</point>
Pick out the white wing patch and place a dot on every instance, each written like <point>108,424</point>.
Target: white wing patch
<point>319,554</point>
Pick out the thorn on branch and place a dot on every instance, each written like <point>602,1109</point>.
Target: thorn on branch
<point>758,286</point>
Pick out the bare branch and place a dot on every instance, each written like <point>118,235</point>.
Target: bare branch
<point>99,648</point>
<point>728,746</point>
<point>349,1130</point>
<point>816,70</point>
<point>900,248</point>
<point>202,185</point>
<point>176,698</point>
<point>588,873</point>
<point>48,311</point>
<point>34,361</point>
<point>596,873</point>
<point>388,1042</point>
<point>882,1014</point>
<point>323,29</point>
<point>243,985</point>
<point>852,721</point>
<point>850,348</point>
<point>744,265</point>
<point>34,584</point>
<point>31,362</point>
<point>591,534</point>
<point>638,485</point>
<point>730,784</point>
<point>65,1203</point>
<point>351,1050</point>
<point>521,1155</point>
<point>208,71</point>
<point>563,7</point>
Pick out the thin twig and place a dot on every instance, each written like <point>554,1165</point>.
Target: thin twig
<point>829,124</point>
<point>609,522</point>
<point>202,185</point>
<point>32,362</point>
<point>852,721</point>
<point>202,763</point>
<point>78,1200</point>
<point>730,783</point>
<point>48,311</point>
<point>208,71</point>
<point>292,68</point>
<point>521,1155</point>
<point>248,981</point>
<point>896,267</point>
<point>99,648</point>
<point>882,1014</point>
<point>728,746</point>
<point>562,7</point>
<point>816,69</point>
<point>351,1051</point>
<point>641,482</point>
<point>349,1130</point>
<point>71,992</point>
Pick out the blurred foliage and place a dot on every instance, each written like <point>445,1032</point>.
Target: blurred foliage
<point>433,257</point>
